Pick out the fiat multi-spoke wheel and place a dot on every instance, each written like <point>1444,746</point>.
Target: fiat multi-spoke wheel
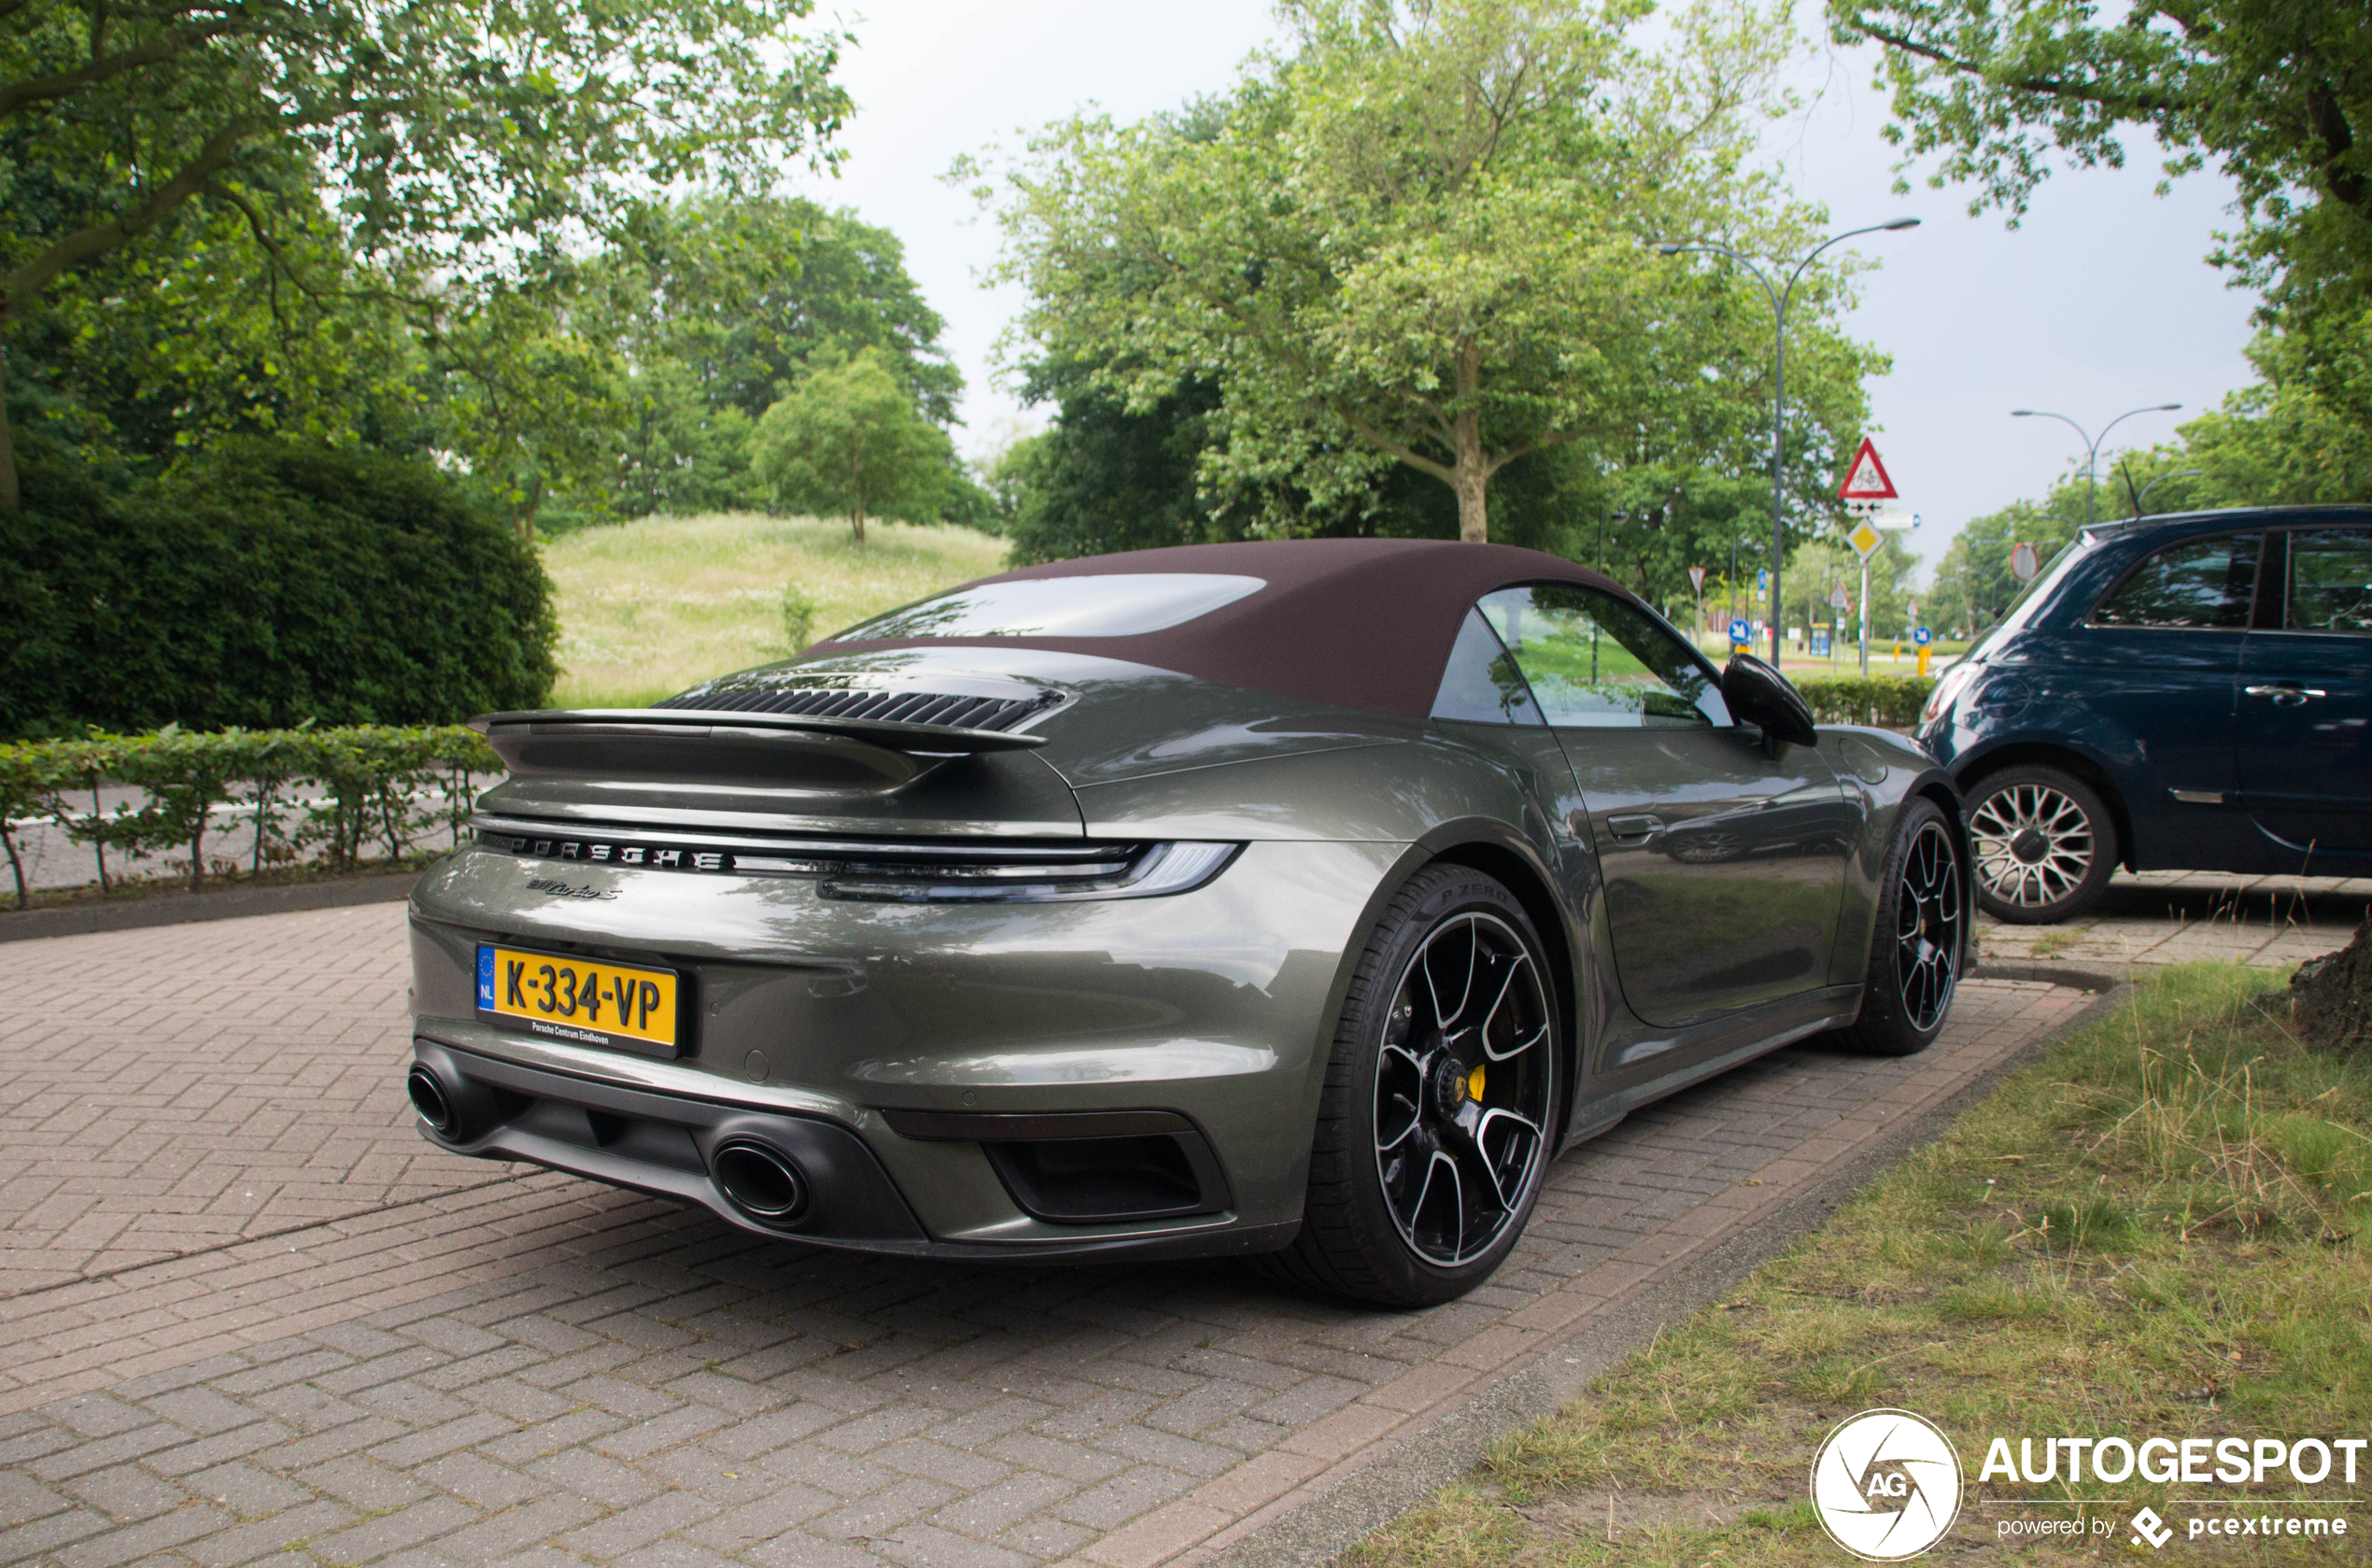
<point>1921,938</point>
<point>1437,1119</point>
<point>2044,845</point>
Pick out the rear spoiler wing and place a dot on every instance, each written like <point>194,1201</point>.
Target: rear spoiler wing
<point>927,740</point>
<point>832,754</point>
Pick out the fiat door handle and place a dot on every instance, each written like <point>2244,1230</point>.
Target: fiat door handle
<point>1633,826</point>
<point>2287,694</point>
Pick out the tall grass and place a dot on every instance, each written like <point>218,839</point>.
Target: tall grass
<point>650,607</point>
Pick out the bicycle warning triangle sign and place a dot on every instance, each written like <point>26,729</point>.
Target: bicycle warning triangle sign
<point>1866,480</point>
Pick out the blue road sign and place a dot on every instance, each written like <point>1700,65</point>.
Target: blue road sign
<point>1923,637</point>
<point>1763,580</point>
<point>1740,633</point>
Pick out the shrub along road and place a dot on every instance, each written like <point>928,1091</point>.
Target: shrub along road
<point>252,1311</point>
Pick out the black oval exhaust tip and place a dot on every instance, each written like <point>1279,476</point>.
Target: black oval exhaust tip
<point>760,1182</point>
<point>430,1099</point>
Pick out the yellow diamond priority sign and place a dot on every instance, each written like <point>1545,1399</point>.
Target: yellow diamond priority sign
<point>1865,539</point>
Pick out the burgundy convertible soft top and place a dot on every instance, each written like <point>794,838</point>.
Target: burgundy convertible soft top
<point>1362,623</point>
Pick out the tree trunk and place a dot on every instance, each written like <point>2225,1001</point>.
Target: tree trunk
<point>523,516</point>
<point>8,499</point>
<point>2331,998</point>
<point>1472,481</point>
<point>1473,515</point>
<point>857,491</point>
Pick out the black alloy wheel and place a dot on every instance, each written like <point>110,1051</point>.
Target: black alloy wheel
<point>1919,942</point>
<point>1436,1126</point>
<point>1456,1153</point>
<point>2045,844</point>
<point>1930,908</point>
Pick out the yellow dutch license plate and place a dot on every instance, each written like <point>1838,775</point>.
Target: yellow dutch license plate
<point>585,1001</point>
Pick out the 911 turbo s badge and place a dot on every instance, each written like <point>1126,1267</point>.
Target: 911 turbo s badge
<point>569,890</point>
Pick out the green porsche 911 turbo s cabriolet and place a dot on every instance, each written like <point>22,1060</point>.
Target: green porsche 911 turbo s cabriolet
<point>1299,900</point>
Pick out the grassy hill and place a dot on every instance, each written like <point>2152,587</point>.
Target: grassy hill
<point>647,608</point>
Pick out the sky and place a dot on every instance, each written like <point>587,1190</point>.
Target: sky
<point>2100,301</point>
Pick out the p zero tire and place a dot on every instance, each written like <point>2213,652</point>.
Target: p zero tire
<point>1919,942</point>
<point>2044,841</point>
<point>1434,1127</point>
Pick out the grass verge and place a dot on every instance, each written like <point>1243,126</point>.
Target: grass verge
<point>650,607</point>
<point>2157,1230</point>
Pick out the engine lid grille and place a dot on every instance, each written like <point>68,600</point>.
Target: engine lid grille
<point>952,710</point>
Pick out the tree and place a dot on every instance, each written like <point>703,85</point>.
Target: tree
<point>529,405</point>
<point>2276,92</point>
<point>849,441</point>
<point>1818,565</point>
<point>717,304</point>
<point>460,142</point>
<point>147,351</point>
<point>1416,241</point>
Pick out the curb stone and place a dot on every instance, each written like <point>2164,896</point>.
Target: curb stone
<point>176,909</point>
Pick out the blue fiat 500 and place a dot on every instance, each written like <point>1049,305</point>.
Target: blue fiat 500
<point>2188,692</point>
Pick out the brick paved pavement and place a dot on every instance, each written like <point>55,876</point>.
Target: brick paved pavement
<point>457,1362</point>
<point>2150,918</point>
<point>171,1090</point>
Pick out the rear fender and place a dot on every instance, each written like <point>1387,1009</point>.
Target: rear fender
<point>1887,772</point>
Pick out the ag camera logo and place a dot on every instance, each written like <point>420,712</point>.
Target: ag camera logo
<point>1887,1485</point>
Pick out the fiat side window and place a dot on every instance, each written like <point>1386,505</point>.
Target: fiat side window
<point>1594,662</point>
<point>2199,584</point>
<point>2330,581</point>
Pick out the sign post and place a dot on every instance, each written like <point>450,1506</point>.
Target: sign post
<point>1923,637</point>
<point>1866,487</point>
<point>1865,539</point>
<point>1839,600</point>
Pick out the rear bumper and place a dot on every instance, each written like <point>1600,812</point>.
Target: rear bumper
<point>831,1031</point>
<point>668,1145</point>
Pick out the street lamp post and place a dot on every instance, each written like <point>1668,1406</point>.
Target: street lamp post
<point>2141,502</point>
<point>2092,447</point>
<point>1780,299</point>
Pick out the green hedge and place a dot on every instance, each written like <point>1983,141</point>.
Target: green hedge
<point>1886,701</point>
<point>363,779</point>
<point>263,584</point>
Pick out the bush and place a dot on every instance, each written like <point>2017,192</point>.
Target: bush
<point>265,584</point>
<point>370,782</point>
<point>1884,702</point>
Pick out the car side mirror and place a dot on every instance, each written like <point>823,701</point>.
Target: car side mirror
<point>1760,696</point>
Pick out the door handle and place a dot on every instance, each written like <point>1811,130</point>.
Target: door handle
<point>1633,825</point>
<point>2287,694</point>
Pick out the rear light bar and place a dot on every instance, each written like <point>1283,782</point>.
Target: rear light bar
<point>881,872</point>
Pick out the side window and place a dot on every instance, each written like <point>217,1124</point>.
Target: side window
<point>2199,584</point>
<point>2330,581</point>
<point>1595,662</point>
<point>1480,685</point>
